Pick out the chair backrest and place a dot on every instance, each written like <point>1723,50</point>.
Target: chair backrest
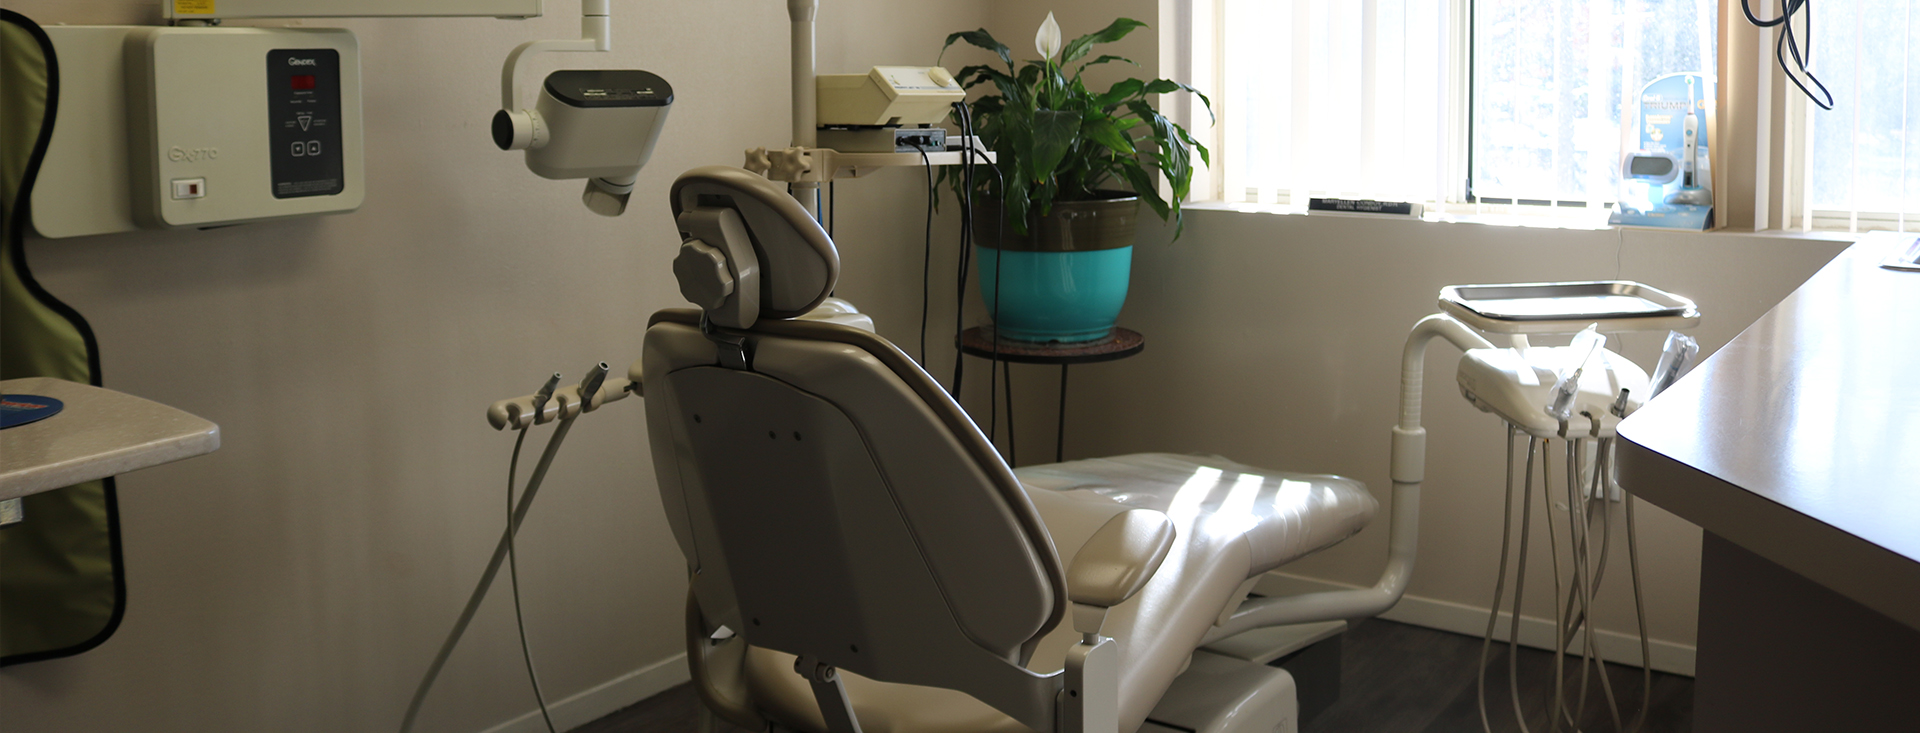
<point>830,499</point>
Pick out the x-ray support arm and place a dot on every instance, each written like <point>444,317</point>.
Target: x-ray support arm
<point>1409,460</point>
<point>596,34</point>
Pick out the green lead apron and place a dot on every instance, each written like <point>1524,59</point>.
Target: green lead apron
<point>61,588</point>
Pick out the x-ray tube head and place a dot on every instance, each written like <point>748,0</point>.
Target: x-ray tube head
<point>600,125</point>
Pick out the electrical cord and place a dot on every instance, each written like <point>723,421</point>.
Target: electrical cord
<point>970,154</point>
<point>966,249</point>
<point>926,262</point>
<point>1013,445</point>
<point>1786,41</point>
<point>500,553</point>
<point>993,309</point>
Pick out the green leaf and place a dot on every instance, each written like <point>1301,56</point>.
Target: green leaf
<point>983,39</point>
<point>1096,62</point>
<point>1172,156</point>
<point>1120,92</point>
<point>986,107</point>
<point>1054,133</point>
<point>1102,130</point>
<point>1143,186</point>
<point>1030,75</point>
<point>1078,47</point>
<point>1167,86</point>
<point>1018,203</point>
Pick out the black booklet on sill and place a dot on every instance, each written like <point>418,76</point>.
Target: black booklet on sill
<point>1363,206</point>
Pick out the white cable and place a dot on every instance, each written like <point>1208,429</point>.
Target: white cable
<point>486,578</point>
<point>1577,595</point>
<point>513,567</point>
<point>1519,584</point>
<point>1640,617</point>
<point>1580,535</point>
<point>1499,586</point>
<point>1597,496</point>
<point>1553,549</point>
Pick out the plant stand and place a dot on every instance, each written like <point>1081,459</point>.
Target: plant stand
<point>980,341</point>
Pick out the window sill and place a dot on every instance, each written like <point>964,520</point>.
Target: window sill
<point>1572,222</point>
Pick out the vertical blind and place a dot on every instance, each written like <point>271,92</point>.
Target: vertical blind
<point>1857,161</point>
<point>1334,97</point>
<point>1370,99</point>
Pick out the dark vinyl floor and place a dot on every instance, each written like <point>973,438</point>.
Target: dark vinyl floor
<point>1395,679</point>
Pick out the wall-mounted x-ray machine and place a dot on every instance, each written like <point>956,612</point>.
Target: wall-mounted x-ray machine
<point>163,127</point>
<point>194,126</point>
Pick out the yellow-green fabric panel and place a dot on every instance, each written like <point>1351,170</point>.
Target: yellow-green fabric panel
<point>57,588</point>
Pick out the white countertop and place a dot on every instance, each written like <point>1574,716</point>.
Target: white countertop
<point>100,433</point>
<point>1800,440</point>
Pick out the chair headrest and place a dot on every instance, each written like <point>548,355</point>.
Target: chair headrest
<point>748,250</point>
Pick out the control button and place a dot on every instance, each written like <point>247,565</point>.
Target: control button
<point>313,147</point>
<point>189,188</point>
<point>299,149</point>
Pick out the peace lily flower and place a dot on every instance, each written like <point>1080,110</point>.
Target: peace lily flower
<point>1058,140</point>
<point>1047,41</point>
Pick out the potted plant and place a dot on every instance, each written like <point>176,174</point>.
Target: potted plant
<point>1056,234</point>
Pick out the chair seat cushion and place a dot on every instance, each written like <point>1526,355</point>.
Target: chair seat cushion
<point>1284,516</point>
<point>1234,523</point>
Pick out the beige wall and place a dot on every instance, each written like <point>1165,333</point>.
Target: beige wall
<point>1276,340</point>
<point>301,578</point>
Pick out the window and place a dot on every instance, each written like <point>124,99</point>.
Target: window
<point>1496,101</point>
<point>1492,105</point>
<point>1553,80</point>
<point>1329,97</point>
<point>1857,161</point>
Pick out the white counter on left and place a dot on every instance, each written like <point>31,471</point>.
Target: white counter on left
<point>100,433</point>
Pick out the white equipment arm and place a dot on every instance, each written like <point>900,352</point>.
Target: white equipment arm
<point>596,34</point>
<point>1409,459</point>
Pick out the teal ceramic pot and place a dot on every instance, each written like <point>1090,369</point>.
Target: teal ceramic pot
<point>1066,279</point>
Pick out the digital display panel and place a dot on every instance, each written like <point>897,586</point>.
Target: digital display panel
<point>303,97</point>
<point>1647,165</point>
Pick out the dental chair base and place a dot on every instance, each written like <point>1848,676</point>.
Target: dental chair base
<point>1220,694</point>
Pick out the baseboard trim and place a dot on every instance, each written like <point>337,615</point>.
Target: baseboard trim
<point>600,700</point>
<point>1614,646</point>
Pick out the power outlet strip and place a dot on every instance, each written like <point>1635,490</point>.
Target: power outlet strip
<point>884,139</point>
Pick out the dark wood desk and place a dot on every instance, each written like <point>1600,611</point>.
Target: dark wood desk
<point>1797,449</point>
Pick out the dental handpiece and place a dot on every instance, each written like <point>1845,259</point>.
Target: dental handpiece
<point>1675,359</point>
<point>1585,344</point>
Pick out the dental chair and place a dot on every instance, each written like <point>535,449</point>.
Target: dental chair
<point>861,559</point>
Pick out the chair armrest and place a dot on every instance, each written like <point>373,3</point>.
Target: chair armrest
<point>1120,558</point>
